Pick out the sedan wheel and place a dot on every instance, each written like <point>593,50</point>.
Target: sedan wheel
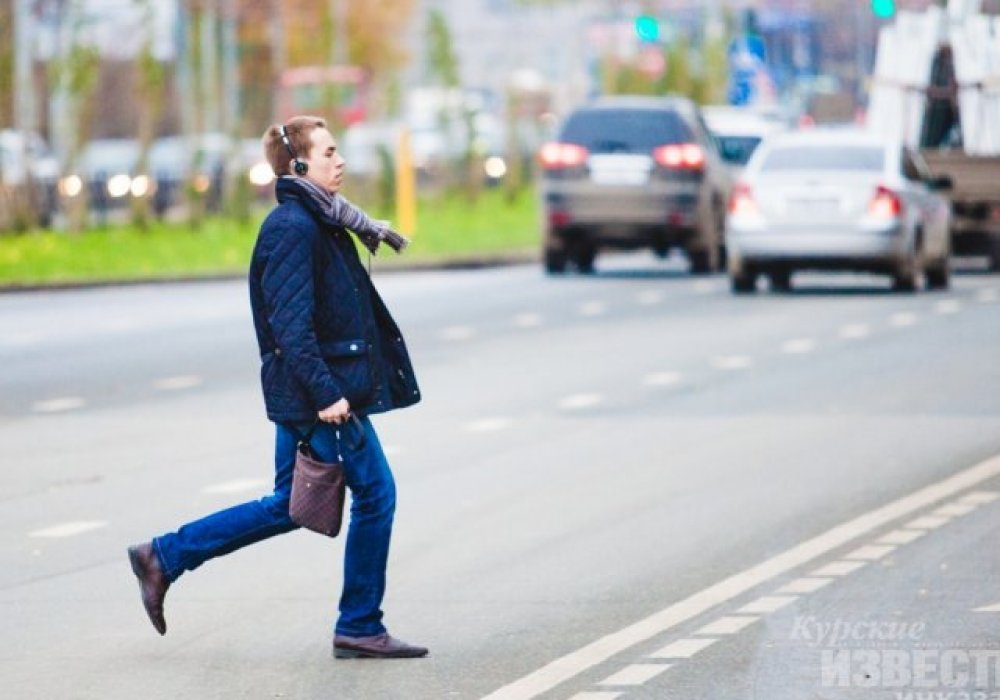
<point>910,277</point>
<point>939,276</point>
<point>555,262</point>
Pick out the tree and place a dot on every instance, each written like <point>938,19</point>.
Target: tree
<point>6,63</point>
<point>151,78</point>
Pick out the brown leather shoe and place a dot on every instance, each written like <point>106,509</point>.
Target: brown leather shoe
<point>381,646</point>
<point>153,582</point>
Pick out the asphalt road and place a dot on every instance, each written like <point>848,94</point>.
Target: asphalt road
<point>629,485</point>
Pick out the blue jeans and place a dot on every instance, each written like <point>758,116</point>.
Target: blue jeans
<point>373,503</point>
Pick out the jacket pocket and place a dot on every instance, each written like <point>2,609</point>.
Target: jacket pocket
<point>350,365</point>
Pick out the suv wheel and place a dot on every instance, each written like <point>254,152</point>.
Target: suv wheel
<point>583,258</point>
<point>781,280</point>
<point>743,282</point>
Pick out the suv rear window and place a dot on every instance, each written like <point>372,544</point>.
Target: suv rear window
<point>625,130</point>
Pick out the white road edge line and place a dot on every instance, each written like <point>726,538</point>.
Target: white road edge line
<point>69,529</point>
<point>63,403</point>
<point>571,665</point>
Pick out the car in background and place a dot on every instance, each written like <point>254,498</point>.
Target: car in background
<point>27,159</point>
<point>170,159</point>
<point>106,168</point>
<point>739,130</point>
<point>630,173</point>
<point>832,199</point>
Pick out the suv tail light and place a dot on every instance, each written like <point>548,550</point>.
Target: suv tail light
<point>680,156</point>
<point>741,201</point>
<point>556,156</point>
<point>885,204</point>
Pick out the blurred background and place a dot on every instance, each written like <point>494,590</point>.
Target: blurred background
<point>133,112</point>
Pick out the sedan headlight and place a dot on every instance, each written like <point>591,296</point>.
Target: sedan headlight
<point>119,185</point>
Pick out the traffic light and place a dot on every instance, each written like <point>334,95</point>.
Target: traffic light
<point>884,9</point>
<point>647,28</point>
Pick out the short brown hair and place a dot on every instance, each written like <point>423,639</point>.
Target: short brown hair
<point>299,130</point>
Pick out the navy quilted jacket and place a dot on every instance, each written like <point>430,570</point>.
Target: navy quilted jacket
<point>323,330</point>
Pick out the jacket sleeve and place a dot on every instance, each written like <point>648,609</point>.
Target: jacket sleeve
<point>289,295</point>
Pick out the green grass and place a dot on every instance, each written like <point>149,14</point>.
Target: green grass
<point>449,227</point>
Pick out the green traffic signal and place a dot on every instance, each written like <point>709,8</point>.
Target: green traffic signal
<point>883,8</point>
<point>647,28</point>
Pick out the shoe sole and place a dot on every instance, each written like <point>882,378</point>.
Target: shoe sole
<point>339,653</point>
<point>137,569</point>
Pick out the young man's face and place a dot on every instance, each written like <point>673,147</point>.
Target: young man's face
<point>326,166</point>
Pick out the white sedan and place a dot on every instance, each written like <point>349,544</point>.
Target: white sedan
<point>837,200</point>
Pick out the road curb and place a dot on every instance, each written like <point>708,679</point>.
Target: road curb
<point>458,263</point>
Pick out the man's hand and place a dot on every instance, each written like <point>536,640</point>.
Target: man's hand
<point>337,413</point>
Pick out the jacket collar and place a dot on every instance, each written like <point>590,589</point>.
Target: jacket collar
<point>286,188</point>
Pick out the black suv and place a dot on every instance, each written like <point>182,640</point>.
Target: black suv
<point>633,172</point>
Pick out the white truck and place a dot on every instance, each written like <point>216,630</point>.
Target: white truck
<point>936,87</point>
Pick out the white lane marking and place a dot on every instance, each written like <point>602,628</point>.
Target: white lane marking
<point>184,381</point>
<point>980,497</point>
<point>579,401</point>
<point>855,331</point>
<point>767,604</point>
<point>903,319</point>
<point>57,405</point>
<point>806,584</point>
<point>528,320</point>
<point>947,306</point>
<point>729,624</point>
<point>458,333</point>
<point>683,648</point>
<point>703,287</point>
<point>732,363</point>
<point>870,552</point>
<point>838,568</point>
<point>797,346</point>
<point>901,536</point>
<point>487,425</point>
<point>235,486</point>
<point>69,529</point>
<point>988,608</point>
<point>596,696</point>
<point>572,664</point>
<point>592,308</point>
<point>661,379</point>
<point>927,522</point>
<point>950,510</point>
<point>21,338</point>
<point>636,674</point>
<point>649,297</point>
<point>987,295</point>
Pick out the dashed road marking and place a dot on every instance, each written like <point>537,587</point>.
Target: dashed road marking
<point>950,510</point>
<point>580,401</point>
<point>235,486</point>
<point>947,306</point>
<point>855,331</point>
<point>927,522</point>
<point>184,381</point>
<point>600,650</point>
<point>662,379</point>
<point>729,624</point>
<point>903,319</point>
<point>458,333</point>
<point>980,497</point>
<point>636,674</point>
<point>732,362</point>
<point>487,425</point>
<point>649,298</point>
<point>592,308</point>
<point>528,320</point>
<point>57,405</point>
<point>988,608</point>
<point>986,296</point>
<point>870,552</point>
<point>70,529</point>
<point>683,648</point>
<point>596,696</point>
<point>838,568</point>
<point>806,584</point>
<point>901,536</point>
<point>798,346</point>
<point>767,604</point>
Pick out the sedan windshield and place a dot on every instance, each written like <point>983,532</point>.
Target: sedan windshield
<point>824,158</point>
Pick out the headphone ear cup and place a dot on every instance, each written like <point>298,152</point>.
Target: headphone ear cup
<point>301,167</point>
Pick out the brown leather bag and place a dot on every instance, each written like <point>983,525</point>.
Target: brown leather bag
<point>319,488</point>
